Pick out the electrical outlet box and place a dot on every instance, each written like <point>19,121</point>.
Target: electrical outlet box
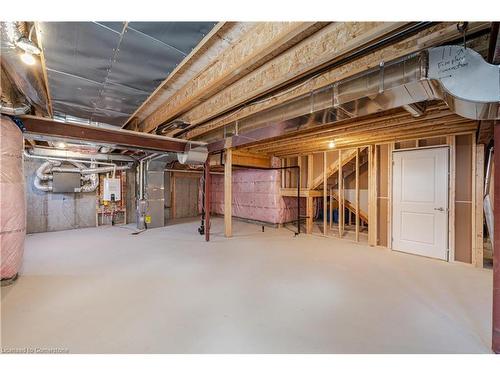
<point>112,189</point>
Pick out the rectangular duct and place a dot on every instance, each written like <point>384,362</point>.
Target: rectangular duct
<point>454,74</point>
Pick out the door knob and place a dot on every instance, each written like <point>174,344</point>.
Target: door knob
<point>439,209</point>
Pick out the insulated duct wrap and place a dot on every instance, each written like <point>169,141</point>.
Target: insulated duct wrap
<point>256,196</point>
<point>12,199</point>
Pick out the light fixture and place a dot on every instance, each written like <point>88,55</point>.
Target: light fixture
<point>28,58</point>
<point>61,145</point>
<point>28,46</point>
<point>29,49</point>
<point>331,144</point>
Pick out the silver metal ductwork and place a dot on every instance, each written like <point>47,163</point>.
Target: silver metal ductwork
<point>196,155</point>
<point>457,75</point>
<point>88,175</point>
<point>21,109</point>
<point>28,79</point>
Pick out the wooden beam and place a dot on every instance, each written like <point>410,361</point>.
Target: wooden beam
<point>357,195</point>
<point>250,159</point>
<point>342,44</point>
<point>372,138</point>
<point>45,128</point>
<point>372,195</point>
<point>292,192</point>
<point>257,46</point>
<point>39,40</point>
<point>228,194</point>
<point>478,205</point>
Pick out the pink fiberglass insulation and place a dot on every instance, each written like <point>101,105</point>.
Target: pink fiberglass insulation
<point>256,196</point>
<point>12,199</point>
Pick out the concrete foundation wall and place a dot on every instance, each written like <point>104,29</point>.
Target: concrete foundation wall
<point>47,212</point>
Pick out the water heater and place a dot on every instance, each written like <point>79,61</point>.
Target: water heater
<point>112,189</point>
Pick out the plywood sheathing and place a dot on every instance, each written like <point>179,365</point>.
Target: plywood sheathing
<point>334,42</point>
<point>478,206</point>
<point>259,44</point>
<point>463,198</point>
<point>383,211</point>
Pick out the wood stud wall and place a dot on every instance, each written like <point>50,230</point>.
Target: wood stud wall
<point>465,192</point>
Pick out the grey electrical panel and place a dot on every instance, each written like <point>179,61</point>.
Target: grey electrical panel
<point>65,182</point>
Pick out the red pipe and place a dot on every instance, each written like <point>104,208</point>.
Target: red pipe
<point>496,251</point>
<point>207,199</point>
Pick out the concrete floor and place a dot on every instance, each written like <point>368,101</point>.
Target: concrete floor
<point>103,290</point>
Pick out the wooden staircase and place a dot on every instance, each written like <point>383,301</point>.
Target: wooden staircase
<point>351,207</point>
<point>348,165</point>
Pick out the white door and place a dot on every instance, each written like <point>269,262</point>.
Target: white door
<point>420,202</point>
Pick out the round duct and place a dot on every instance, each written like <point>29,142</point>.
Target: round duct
<point>196,155</point>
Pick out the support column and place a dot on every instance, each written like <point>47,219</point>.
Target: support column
<point>496,251</point>
<point>228,194</point>
<point>208,192</point>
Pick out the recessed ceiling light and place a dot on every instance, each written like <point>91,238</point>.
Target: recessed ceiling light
<point>61,145</point>
<point>28,58</point>
<point>331,144</point>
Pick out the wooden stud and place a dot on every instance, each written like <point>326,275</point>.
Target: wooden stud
<point>282,163</point>
<point>479,219</point>
<point>339,195</point>
<point>310,170</point>
<point>331,207</point>
<point>309,200</point>
<point>228,196</point>
<point>372,195</point>
<point>389,194</point>
<point>450,140</point>
<point>357,195</point>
